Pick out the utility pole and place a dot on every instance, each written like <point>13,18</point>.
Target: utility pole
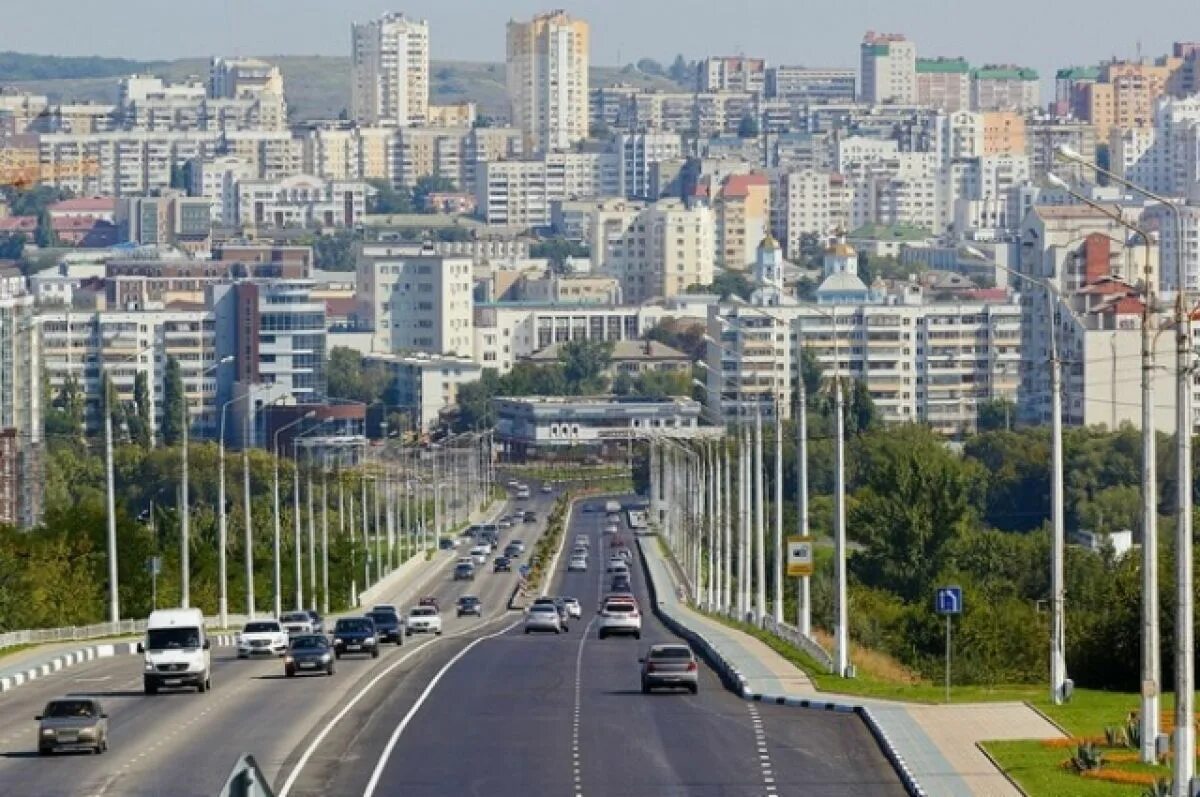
<point>1058,655</point>
<point>325,535</point>
<point>804,602</point>
<point>296,522</point>
<point>114,598</point>
<point>249,520</point>
<point>760,536</point>
<point>727,536</point>
<point>778,558</point>
<point>1151,667</point>
<point>185,567</point>
<point>841,629</point>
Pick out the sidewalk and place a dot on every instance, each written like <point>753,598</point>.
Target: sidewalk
<point>937,745</point>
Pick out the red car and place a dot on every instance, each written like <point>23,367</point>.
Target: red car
<point>429,601</point>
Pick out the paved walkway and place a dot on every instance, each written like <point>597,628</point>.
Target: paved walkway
<point>939,744</point>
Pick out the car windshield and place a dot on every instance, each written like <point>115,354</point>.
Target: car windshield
<point>671,653</point>
<point>260,628</point>
<point>544,607</point>
<point>467,600</point>
<point>310,643</point>
<point>70,708</point>
<point>172,638</point>
<point>353,625</point>
<point>383,617</point>
<point>619,607</point>
<point>296,617</point>
<point>422,611</point>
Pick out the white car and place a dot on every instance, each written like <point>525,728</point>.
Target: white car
<point>579,550</point>
<point>612,528</point>
<point>262,638</point>
<point>546,488</point>
<point>423,620</point>
<point>577,564</point>
<point>297,623</point>
<point>582,541</point>
<point>543,617</point>
<point>616,563</point>
<point>479,554</point>
<point>522,492</point>
<point>573,608</point>
<point>620,615</point>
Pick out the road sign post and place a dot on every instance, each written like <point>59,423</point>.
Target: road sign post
<point>800,563</point>
<point>154,565</point>
<point>948,601</point>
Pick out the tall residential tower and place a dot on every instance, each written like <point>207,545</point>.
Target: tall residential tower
<point>548,80</point>
<point>391,72</point>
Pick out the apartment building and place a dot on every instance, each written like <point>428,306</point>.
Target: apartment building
<point>732,73</point>
<point>1003,133</point>
<point>253,80</point>
<point>638,153</point>
<point>301,202</point>
<point>888,69</point>
<point>1165,157</point>
<point>944,83</point>
<point>810,202</point>
<point>127,163</point>
<point>741,207</point>
<point>1043,137</point>
<point>1123,96</point>
<point>425,385</point>
<point>273,155</point>
<point>816,85</point>
<point>1005,88</point>
<point>390,61</point>
<point>415,302</point>
<point>20,402</point>
<point>83,346</point>
<point>520,193</point>
<point>217,180</point>
<point>656,251</point>
<point>547,80</point>
<point>170,219</point>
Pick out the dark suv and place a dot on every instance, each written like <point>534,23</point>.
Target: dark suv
<point>469,604</point>
<point>387,626</point>
<point>355,635</point>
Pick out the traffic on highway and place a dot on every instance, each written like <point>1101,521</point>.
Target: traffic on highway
<point>581,688</point>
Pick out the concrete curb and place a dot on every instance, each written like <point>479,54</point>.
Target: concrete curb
<point>738,684</point>
<point>65,661</point>
<point>1007,776</point>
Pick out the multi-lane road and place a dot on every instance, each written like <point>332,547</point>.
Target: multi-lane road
<point>483,709</point>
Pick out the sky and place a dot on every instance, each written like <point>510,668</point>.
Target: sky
<point>1044,34</point>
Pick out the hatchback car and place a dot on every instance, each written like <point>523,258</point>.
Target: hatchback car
<point>620,616</point>
<point>577,564</point>
<point>262,638</point>
<point>464,571</point>
<point>543,617</point>
<point>388,626</point>
<point>512,551</point>
<point>574,609</point>
<point>423,620</point>
<point>670,666</point>
<point>355,635</point>
<point>308,653</point>
<point>72,724</point>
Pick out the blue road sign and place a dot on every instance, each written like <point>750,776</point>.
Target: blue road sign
<point>949,600</point>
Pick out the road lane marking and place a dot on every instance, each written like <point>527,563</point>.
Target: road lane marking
<point>760,741</point>
<point>373,783</point>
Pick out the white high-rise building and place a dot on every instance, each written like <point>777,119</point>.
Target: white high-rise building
<point>416,302</point>
<point>547,79</point>
<point>888,69</point>
<point>391,72</point>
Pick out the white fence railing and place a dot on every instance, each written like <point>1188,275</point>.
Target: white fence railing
<point>78,633</point>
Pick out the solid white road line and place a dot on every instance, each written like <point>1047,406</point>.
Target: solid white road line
<point>373,783</point>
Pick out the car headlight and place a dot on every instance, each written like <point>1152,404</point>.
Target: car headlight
<point>148,666</point>
<point>368,640</point>
<point>47,731</point>
<point>87,733</point>
<point>288,660</point>
<point>325,656</point>
<point>337,640</point>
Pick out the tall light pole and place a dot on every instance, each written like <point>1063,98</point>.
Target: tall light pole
<point>760,536</point>
<point>842,629</point>
<point>278,603</point>
<point>804,621</point>
<point>1151,665</point>
<point>778,558</point>
<point>1058,624</point>
<point>1185,640</point>
<point>185,547</point>
<point>222,522</point>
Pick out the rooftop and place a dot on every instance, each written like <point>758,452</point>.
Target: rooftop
<point>623,351</point>
<point>894,232</point>
<point>944,65</point>
<point>93,204</point>
<point>994,72</point>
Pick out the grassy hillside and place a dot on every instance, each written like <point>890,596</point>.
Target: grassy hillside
<point>318,87</point>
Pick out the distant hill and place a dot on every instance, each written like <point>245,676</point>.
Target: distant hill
<point>318,87</point>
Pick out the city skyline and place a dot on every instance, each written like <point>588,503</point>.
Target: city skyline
<point>780,31</point>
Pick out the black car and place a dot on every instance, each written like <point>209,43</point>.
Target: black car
<point>620,583</point>
<point>469,604</point>
<point>445,544</point>
<point>512,551</point>
<point>502,565</point>
<point>491,538</point>
<point>308,653</point>
<point>530,516</point>
<point>464,572</point>
<point>387,626</point>
<point>355,635</point>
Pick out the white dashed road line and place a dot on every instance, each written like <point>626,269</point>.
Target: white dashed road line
<point>764,755</point>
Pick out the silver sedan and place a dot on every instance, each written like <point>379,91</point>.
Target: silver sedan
<point>543,617</point>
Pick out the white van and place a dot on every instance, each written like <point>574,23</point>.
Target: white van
<point>176,651</point>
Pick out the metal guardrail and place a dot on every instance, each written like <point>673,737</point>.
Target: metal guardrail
<point>791,634</point>
<point>79,633</point>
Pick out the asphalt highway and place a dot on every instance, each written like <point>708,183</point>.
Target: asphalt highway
<point>511,715</point>
<point>179,744</point>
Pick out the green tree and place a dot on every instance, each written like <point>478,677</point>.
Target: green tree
<point>44,236</point>
<point>726,284</point>
<point>996,414</point>
<point>140,421</point>
<point>64,412</point>
<point>584,364</point>
<point>623,384</point>
<point>174,405</point>
<point>1017,495</point>
<point>682,334</point>
<point>681,71</point>
<point>648,66</point>
<point>335,252</point>
<point>12,246</point>
<point>429,185</point>
<point>389,200</point>
<point>663,384</point>
<point>916,501</point>
<point>558,250</point>
<point>349,376</point>
<point>748,126</point>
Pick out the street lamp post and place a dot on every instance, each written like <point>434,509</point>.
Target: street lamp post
<point>222,522</point>
<point>1058,657</point>
<point>1185,640</point>
<point>278,603</point>
<point>1151,666</point>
